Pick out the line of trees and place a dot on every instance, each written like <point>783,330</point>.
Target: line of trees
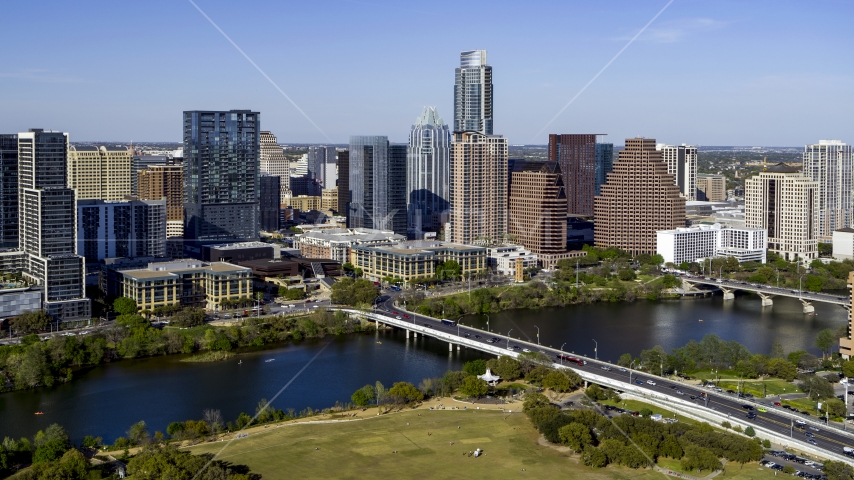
<point>35,363</point>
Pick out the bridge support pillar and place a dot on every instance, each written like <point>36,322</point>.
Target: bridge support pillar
<point>808,306</point>
<point>450,347</point>
<point>585,384</point>
<point>766,299</point>
<point>458,347</point>
<point>729,294</point>
<point>407,334</point>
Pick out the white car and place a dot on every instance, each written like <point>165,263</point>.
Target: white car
<point>399,318</point>
<point>650,382</point>
<point>526,350</point>
<point>800,422</point>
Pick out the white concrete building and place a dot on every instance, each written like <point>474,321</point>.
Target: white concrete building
<point>784,202</point>
<point>272,161</point>
<point>843,244</point>
<point>681,162</point>
<point>829,162</point>
<point>705,241</point>
<point>505,259</point>
<point>335,243</point>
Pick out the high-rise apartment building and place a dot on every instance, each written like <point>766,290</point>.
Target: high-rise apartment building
<point>274,162</point>
<point>47,233</point>
<point>343,182</point>
<point>428,173</point>
<point>221,171</point>
<point>8,190</point>
<point>785,202</point>
<point>604,164</point>
<point>711,188</point>
<point>478,193</point>
<point>681,162</point>
<point>270,202</point>
<point>473,94</point>
<point>323,165</point>
<point>639,199</point>
<point>142,162</point>
<point>536,213</point>
<point>130,228</point>
<point>165,181</point>
<point>377,184</point>
<point>576,156</point>
<point>100,173</point>
<point>829,162</point>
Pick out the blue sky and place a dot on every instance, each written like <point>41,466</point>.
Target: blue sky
<point>705,72</point>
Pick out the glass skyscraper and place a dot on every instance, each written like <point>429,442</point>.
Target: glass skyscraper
<point>604,164</point>
<point>473,94</point>
<point>377,184</point>
<point>428,173</point>
<point>8,190</point>
<point>221,177</point>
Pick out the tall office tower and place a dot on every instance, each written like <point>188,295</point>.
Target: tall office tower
<point>130,228</point>
<point>165,181</point>
<point>478,193</point>
<point>343,182</point>
<point>377,184</point>
<point>428,173</point>
<point>47,233</point>
<point>473,94</point>
<point>8,190</point>
<point>638,199</point>
<point>100,173</point>
<point>830,164</point>
<point>274,162</point>
<point>323,165</point>
<point>604,164</point>
<point>785,202</point>
<point>536,214</point>
<point>270,202</point>
<point>221,187</point>
<point>681,162</point>
<point>142,162</point>
<point>576,155</point>
<point>711,188</point>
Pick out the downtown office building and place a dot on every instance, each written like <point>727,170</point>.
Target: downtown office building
<point>47,230</point>
<point>473,94</point>
<point>681,162</point>
<point>428,173</point>
<point>129,228</point>
<point>377,184</point>
<point>221,178</point>
<point>8,190</point>
<point>323,165</point>
<point>829,162</point>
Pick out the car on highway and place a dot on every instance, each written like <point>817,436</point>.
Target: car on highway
<point>814,429</point>
<point>467,335</point>
<point>777,404</point>
<point>809,434</point>
<point>751,416</point>
<point>762,409</point>
<point>680,392</point>
<point>405,315</point>
<point>800,422</point>
<point>394,312</point>
<point>639,382</point>
<point>525,350</point>
<point>650,382</point>
<point>428,325</point>
<point>693,397</point>
<point>397,317</point>
<point>477,336</point>
<point>623,370</point>
<point>812,441</point>
<point>606,367</point>
<point>747,407</point>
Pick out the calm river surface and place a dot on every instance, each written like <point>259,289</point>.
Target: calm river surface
<point>107,399</point>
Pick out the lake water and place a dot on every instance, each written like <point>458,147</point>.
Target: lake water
<point>106,400</point>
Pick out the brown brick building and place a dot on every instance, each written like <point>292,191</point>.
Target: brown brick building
<point>537,207</point>
<point>165,181</point>
<point>576,155</point>
<point>638,199</point>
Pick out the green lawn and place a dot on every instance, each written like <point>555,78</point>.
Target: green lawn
<point>802,404</point>
<point>774,386</point>
<point>637,406</point>
<point>364,448</point>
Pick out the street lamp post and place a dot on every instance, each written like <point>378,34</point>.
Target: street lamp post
<point>458,325</point>
<point>508,338</point>
<point>487,322</point>
<point>538,334</point>
<point>595,349</point>
<point>561,353</point>
<point>631,367</point>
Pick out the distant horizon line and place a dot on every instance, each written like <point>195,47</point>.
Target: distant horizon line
<point>104,142</point>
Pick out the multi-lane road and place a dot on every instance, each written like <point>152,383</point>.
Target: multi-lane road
<point>800,428</point>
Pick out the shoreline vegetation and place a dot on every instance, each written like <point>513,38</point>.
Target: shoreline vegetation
<point>212,356</point>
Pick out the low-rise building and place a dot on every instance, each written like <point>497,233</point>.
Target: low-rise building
<point>15,301</point>
<point>191,283</point>
<point>510,260</point>
<point>843,244</point>
<point>417,259</point>
<point>335,243</point>
<point>240,252</point>
<point>705,241</point>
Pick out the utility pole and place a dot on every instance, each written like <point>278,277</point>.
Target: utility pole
<point>595,349</point>
<point>576,277</point>
<point>538,342</point>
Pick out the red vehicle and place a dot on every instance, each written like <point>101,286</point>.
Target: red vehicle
<point>308,301</point>
<point>778,404</point>
<point>405,316</point>
<point>394,313</point>
<point>574,360</point>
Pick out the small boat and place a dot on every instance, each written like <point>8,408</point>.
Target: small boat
<point>39,413</point>
<point>240,362</point>
<point>269,360</point>
<point>700,320</point>
<point>379,343</point>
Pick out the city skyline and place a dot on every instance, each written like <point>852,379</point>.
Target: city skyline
<point>740,65</point>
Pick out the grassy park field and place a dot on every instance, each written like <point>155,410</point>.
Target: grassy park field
<point>429,444</point>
